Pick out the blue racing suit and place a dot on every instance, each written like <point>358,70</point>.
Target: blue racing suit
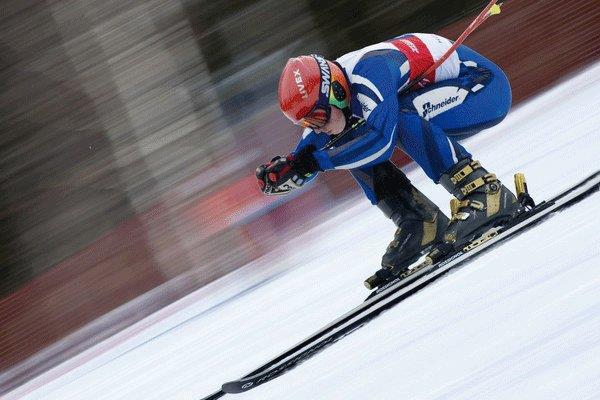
<point>466,94</point>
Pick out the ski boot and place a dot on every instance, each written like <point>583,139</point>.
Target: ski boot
<point>420,222</point>
<point>481,203</point>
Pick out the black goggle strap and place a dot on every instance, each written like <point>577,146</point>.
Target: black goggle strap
<point>325,80</point>
<point>321,112</point>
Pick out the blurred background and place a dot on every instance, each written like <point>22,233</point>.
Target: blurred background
<point>130,131</point>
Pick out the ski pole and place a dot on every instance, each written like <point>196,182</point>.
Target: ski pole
<point>492,8</point>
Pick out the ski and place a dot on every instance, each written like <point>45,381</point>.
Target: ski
<point>402,287</point>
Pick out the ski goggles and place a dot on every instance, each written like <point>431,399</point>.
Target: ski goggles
<point>317,118</point>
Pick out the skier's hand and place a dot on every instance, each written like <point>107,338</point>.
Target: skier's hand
<point>284,174</point>
<point>278,176</point>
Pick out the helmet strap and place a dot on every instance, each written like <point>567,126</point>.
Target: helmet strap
<point>348,115</point>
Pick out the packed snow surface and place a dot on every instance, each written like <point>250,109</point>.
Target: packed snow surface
<point>520,322</point>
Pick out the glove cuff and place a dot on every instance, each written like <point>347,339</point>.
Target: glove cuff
<point>305,162</point>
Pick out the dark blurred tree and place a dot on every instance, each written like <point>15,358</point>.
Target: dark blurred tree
<point>204,18</point>
<point>59,182</point>
<point>348,25</point>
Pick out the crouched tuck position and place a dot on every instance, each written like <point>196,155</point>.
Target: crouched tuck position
<point>362,94</point>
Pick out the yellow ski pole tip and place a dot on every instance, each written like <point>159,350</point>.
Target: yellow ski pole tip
<point>495,9</point>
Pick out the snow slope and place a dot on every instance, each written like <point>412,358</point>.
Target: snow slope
<point>520,322</point>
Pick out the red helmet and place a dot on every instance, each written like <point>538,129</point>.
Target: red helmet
<point>308,86</point>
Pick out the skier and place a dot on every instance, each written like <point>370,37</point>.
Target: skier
<point>362,94</point>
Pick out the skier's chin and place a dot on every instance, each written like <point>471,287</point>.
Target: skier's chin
<point>337,122</point>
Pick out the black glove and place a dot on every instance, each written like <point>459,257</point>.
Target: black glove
<point>284,174</point>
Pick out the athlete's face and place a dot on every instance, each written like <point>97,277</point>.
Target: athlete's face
<point>336,123</point>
